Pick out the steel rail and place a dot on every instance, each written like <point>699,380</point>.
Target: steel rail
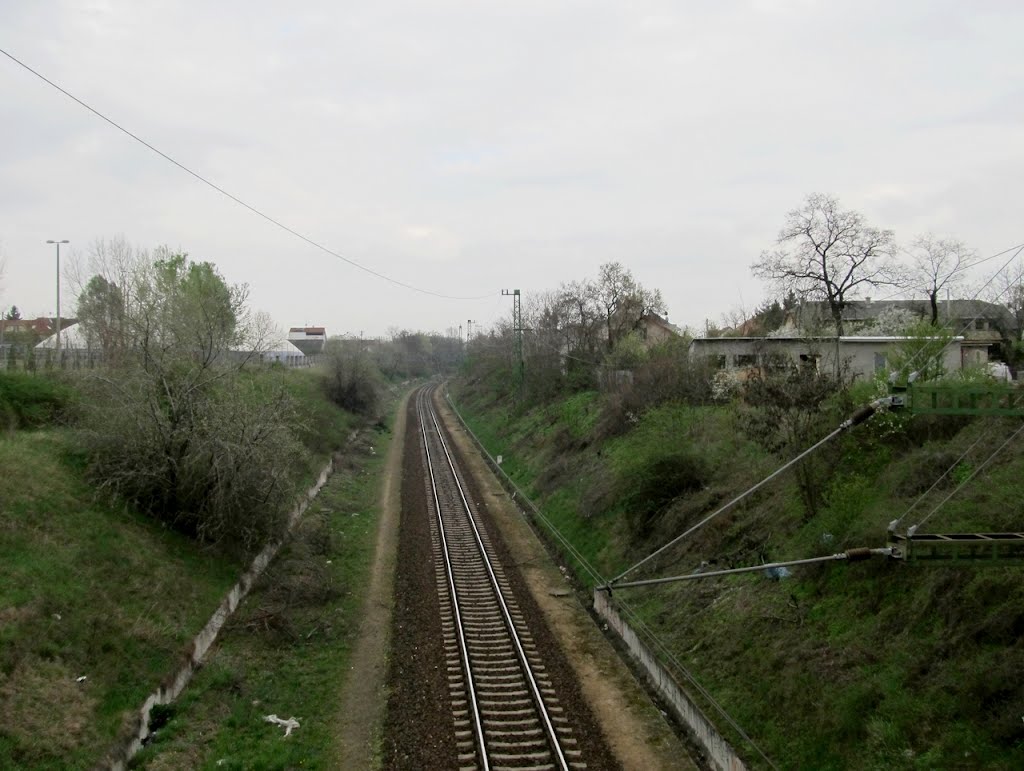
<point>460,632</point>
<point>542,710</point>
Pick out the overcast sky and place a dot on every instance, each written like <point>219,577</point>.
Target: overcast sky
<point>466,146</point>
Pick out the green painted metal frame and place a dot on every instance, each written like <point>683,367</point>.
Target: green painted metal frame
<point>979,549</point>
<point>967,399</point>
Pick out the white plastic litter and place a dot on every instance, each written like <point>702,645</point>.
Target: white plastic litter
<point>287,725</point>
<point>81,679</point>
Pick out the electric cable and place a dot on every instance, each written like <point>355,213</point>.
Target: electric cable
<point>946,473</point>
<point>639,623</point>
<point>856,419</point>
<point>963,268</point>
<point>235,198</point>
<point>850,555</point>
<point>963,484</point>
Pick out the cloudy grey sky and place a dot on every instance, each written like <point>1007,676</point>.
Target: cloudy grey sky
<point>466,146</point>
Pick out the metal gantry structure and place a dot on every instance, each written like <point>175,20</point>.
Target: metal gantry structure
<point>979,399</point>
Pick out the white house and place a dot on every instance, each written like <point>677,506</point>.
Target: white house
<point>860,357</point>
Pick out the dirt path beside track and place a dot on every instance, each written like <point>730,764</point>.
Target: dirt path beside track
<point>364,695</point>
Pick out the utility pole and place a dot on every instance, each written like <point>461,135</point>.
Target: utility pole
<point>58,243</point>
<point>517,337</point>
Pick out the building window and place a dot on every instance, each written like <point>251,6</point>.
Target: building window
<point>880,361</point>
<point>744,360</point>
<point>720,361</point>
<point>809,361</point>
<point>980,324</point>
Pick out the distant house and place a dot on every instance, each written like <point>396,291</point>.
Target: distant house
<point>32,329</point>
<point>283,352</point>
<point>983,325</point>
<point>72,338</point>
<point>860,357</point>
<point>309,340</point>
<point>654,329</point>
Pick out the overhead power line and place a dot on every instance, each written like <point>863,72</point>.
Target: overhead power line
<point>854,420</point>
<point>235,198</point>
<point>973,474</point>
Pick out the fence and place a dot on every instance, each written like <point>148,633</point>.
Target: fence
<point>27,358</point>
<point>31,359</point>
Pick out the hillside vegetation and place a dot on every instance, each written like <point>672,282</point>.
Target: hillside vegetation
<point>865,665</point>
<point>99,598</point>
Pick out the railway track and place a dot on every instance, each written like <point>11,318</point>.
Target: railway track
<point>506,712</point>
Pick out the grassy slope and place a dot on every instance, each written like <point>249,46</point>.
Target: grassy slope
<point>87,588</point>
<point>872,665</point>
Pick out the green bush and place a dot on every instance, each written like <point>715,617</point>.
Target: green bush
<point>30,401</point>
<point>648,485</point>
<point>217,462</point>
<point>353,382</point>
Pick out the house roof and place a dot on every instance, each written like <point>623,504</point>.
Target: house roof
<point>41,325</point>
<point>71,337</point>
<point>807,339</point>
<point>867,310</point>
<point>283,347</point>
<point>657,320</point>
<point>309,331</point>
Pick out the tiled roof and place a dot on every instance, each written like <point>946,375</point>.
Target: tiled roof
<point>866,310</point>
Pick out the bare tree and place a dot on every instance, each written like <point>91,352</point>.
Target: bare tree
<point>829,253</point>
<point>623,301</point>
<point>1007,289</point>
<point>939,263</point>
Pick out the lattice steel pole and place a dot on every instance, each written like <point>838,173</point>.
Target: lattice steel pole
<point>517,338</point>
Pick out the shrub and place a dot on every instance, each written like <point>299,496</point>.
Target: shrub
<point>790,411</point>
<point>217,463</point>
<point>352,381</point>
<point>29,400</point>
<point>649,482</point>
<point>667,376</point>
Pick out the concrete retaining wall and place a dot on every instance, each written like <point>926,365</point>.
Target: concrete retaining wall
<point>719,753</point>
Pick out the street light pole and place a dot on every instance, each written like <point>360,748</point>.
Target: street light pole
<point>58,243</point>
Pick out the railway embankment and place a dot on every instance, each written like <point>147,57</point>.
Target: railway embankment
<point>100,601</point>
<point>876,664</point>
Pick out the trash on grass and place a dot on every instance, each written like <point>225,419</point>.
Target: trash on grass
<point>287,725</point>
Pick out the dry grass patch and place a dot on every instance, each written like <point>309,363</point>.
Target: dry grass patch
<point>45,710</point>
